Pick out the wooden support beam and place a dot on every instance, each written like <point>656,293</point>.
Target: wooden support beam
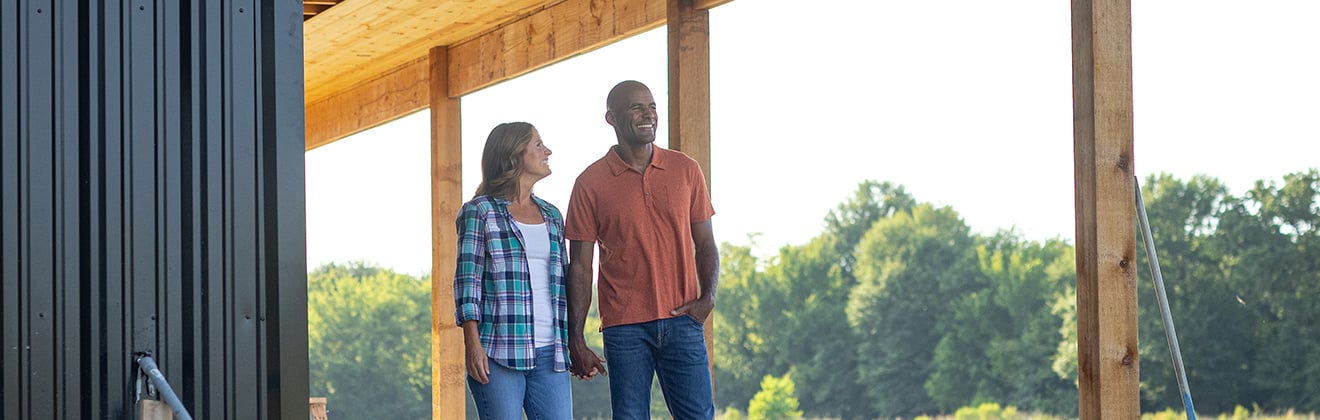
<point>1108,380</point>
<point>558,32</point>
<point>708,4</point>
<point>393,94</point>
<point>154,410</point>
<point>317,407</point>
<point>447,371</point>
<point>689,96</point>
<point>689,82</point>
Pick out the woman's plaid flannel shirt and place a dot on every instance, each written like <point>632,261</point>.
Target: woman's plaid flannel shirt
<point>492,284</point>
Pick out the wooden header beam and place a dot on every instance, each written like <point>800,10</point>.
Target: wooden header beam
<point>556,33</point>
<point>1108,380</point>
<point>707,4</point>
<point>401,91</point>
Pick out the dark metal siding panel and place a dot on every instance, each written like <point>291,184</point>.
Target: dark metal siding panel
<point>151,181</point>
<point>184,265</point>
<point>36,218</point>
<point>110,244</point>
<point>245,245</point>
<point>141,179</point>
<point>68,314</point>
<point>285,142</point>
<point>12,369</point>
<point>209,99</point>
<point>88,208</point>
<point>171,93</point>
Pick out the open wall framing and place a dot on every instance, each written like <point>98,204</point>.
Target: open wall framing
<point>437,70</point>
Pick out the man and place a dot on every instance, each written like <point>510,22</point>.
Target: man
<point>648,210</point>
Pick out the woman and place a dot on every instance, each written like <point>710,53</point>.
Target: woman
<point>509,288</point>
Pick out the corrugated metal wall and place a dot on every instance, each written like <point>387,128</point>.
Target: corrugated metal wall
<point>151,199</point>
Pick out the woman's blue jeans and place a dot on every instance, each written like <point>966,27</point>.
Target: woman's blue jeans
<point>672,349</point>
<point>542,392</point>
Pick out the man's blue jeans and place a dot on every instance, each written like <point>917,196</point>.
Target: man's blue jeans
<point>542,392</point>
<point>673,349</point>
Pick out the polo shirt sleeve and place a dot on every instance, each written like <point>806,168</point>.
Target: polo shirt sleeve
<point>701,209</point>
<point>580,223</point>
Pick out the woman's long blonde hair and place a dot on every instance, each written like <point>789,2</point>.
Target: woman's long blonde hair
<point>501,159</point>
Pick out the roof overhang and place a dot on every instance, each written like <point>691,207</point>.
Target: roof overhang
<point>365,62</point>
<point>357,42</point>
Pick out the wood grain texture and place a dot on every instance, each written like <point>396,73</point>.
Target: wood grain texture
<point>708,4</point>
<point>559,31</point>
<point>447,371</point>
<point>1108,380</point>
<point>358,40</point>
<point>317,407</point>
<point>154,410</point>
<point>393,94</point>
<point>689,82</point>
<point>358,50</point>
<point>689,98</point>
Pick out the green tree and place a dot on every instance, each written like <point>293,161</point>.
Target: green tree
<point>850,221</point>
<point>821,346</point>
<point>788,315</point>
<point>1065,355</point>
<point>740,342</point>
<point>775,400</point>
<point>993,349</point>
<point>369,341</point>
<point>1213,330</point>
<point>1044,273</point>
<point>911,267</point>
<point>1272,258</point>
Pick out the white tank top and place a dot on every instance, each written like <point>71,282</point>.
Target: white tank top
<point>536,242</point>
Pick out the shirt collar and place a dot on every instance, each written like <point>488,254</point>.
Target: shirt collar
<point>659,160</point>
<point>504,202</point>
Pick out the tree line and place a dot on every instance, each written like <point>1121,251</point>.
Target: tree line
<point>898,309</point>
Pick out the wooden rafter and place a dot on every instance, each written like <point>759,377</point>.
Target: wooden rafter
<point>314,7</point>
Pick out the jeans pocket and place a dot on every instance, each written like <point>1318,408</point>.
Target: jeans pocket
<point>700,325</point>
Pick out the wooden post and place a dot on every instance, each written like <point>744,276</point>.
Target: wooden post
<point>154,410</point>
<point>1106,243</point>
<point>689,82</point>
<point>447,384</point>
<point>317,406</point>
<point>689,96</point>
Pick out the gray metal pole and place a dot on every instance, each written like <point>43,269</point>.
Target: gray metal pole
<point>1158,278</point>
<point>149,368</point>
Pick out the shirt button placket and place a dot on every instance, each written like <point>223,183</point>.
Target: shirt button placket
<point>646,192</point>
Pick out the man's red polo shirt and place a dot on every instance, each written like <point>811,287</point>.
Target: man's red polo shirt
<point>643,225</point>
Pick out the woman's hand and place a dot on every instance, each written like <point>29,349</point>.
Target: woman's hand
<point>478,365</point>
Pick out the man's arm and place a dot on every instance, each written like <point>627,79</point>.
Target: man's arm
<point>586,363</point>
<point>708,272</point>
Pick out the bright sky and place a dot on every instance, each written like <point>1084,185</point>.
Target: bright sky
<point>965,103</point>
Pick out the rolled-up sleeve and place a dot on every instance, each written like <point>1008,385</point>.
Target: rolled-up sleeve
<point>470,265</point>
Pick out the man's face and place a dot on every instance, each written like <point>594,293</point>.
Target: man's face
<point>634,116</point>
